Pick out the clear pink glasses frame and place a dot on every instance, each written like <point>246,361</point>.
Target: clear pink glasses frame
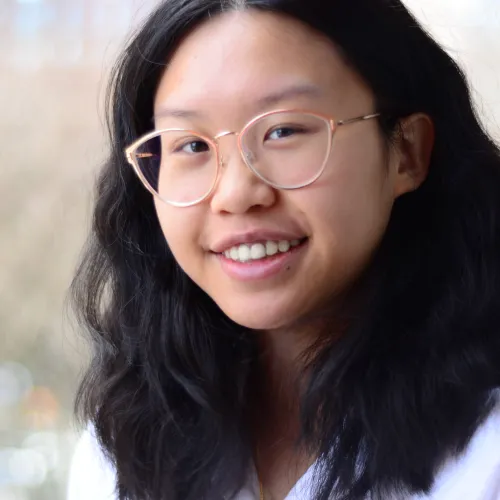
<point>132,154</point>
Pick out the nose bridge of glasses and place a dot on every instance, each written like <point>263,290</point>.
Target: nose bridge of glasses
<point>224,158</point>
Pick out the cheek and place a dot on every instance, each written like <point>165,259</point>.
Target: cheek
<point>361,181</point>
<point>350,205</point>
<point>180,227</point>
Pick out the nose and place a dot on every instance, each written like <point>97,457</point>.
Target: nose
<point>238,189</point>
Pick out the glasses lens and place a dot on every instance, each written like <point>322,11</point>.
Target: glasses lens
<point>288,149</point>
<point>179,166</point>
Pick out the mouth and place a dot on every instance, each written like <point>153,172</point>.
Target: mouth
<point>261,251</point>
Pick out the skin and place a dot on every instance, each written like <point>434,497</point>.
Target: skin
<point>222,70</point>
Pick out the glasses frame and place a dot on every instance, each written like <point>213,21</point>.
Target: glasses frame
<point>131,151</point>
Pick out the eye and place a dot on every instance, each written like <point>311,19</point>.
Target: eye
<point>282,132</point>
<point>193,146</point>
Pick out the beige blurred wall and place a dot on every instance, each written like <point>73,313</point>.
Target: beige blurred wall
<point>54,58</point>
<point>470,32</point>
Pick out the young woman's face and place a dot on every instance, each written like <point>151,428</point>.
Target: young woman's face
<point>227,71</point>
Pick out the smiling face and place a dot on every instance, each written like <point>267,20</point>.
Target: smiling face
<point>229,70</point>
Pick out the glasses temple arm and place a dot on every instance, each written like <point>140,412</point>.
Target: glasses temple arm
<point>358,119</point>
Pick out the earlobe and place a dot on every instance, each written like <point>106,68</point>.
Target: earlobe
<point>415,145</point>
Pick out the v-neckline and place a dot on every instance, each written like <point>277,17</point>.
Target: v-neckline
<point>296,488</point>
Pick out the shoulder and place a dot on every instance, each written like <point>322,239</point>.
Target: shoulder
<point>475,474</point>
<point>91,475</point>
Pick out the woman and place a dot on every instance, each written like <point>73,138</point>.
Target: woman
<point>293,283</point>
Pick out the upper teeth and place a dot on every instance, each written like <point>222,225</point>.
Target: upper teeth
<point>255,251</point>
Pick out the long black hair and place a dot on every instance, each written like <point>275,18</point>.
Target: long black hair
<point>409,382</point>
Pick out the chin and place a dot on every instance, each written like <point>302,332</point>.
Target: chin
<point>257,318</point>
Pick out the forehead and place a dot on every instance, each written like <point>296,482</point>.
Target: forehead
<point>239,58</point>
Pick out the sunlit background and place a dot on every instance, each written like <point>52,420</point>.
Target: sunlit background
<point>54,59</point>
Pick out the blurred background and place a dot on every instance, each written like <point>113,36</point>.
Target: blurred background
<point>55,56</point>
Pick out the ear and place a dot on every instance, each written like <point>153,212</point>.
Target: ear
<point>414,147</point>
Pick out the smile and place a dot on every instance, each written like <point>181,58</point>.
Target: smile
<point>284,257</point>
<point>260,250</point>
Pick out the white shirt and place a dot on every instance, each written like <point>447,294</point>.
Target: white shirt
<point>475,475</point>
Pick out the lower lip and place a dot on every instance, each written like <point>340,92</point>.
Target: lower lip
<point>253,270</point>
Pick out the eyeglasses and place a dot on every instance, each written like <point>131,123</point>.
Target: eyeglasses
<point>287,149</point>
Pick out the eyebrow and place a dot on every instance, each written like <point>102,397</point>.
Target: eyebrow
<point>272,99</point>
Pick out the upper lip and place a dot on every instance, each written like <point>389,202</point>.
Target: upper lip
<point>255,236</point>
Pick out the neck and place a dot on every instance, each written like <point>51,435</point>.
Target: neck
<point>275,411</point>
<point>281,374</point>
<point>280,364</point>
<point>280,378</point>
